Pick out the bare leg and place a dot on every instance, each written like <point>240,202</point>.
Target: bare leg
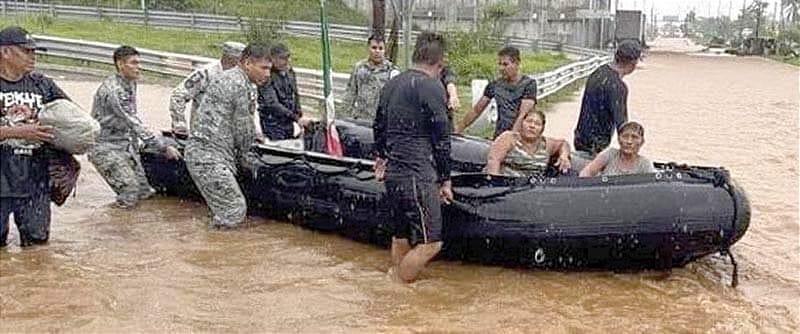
<point>416,259</point>
<point>400,247</point>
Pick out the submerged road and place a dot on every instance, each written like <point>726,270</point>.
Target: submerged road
<point>159,268</point>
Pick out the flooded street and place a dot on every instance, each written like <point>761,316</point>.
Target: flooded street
<point>159,268</point>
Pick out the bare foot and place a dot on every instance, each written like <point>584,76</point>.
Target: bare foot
<point>392,275</point>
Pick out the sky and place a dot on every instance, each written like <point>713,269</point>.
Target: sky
<point>706,8</point>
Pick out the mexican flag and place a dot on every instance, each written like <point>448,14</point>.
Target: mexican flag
<point>333,145</point>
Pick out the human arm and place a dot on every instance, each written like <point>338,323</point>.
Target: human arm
<point>379,133</point>
<point>595,166</point>
<point>483,102</point>
<point>432,98</point>
<point>350,93</point>
<point>257,128</point>
<point>449,81</point>
<point>453,103</point>
<point>498,152</point>
<point>184,92</point>
<point>559,149</point>
<point>118,101</point>
<point>525,106</point>
<point>302,119</point>
<point>473,114</point>
<point>27,131</point>
<point>528,101</point>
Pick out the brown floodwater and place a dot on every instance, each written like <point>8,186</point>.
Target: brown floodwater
<point>160,269</point>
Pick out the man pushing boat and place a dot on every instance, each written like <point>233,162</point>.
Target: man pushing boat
<point>410,127</point>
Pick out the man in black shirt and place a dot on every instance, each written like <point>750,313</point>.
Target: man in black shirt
<point>24,178</point>
<point>514,93</point>
<point>413,145</point>
<point>279,101</point>
<point>605,102</point>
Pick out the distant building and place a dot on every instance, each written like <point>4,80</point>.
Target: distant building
<point>586,23</point>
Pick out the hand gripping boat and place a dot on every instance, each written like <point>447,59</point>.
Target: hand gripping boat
<point>652,221</point>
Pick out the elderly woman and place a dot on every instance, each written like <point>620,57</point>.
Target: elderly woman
<point>526,152</point>
<point>626,159</point>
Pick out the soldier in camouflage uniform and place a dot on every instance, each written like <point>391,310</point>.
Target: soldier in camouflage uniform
<point>222,132</point>
<point>194,86</point>
<point>367,80</point>
<point>116,153</point>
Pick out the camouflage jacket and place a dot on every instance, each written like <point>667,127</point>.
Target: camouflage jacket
<point>114,108</point>
<point>364,88</point>
<point>191,89</point>
<point>224,121</point>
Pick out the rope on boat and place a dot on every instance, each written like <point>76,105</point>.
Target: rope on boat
<point>722,179</point>
<point>735,276</point>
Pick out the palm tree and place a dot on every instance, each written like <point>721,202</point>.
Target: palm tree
<point>757,9</point>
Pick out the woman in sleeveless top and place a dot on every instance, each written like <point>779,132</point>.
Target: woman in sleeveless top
<point>625,160</point>
<point>527,152</point>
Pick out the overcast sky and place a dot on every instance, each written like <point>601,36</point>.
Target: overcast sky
<point>681,7</point>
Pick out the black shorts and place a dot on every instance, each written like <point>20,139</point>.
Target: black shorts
<point>415,210</point>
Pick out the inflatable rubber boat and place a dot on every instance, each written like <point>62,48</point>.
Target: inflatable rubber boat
<point>652,221</point>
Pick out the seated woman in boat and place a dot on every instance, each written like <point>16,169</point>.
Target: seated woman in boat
<point>626,159</point>
<point>527,152</point>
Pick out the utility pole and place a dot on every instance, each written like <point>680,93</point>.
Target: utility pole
<point>744,8</point>
<point>730,10</point>
<point>530,17</point>
<point>379,17</point>
<point>408,9</point>
<point>476,4</point>
<point>602,26</point>
<point>543,14</point>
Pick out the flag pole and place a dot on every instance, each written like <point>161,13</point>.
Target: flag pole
<point>332,143</point>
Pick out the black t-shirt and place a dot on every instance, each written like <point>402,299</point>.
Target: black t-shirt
<point>411,128</point>
<point>23,167</point>
<point>509,96</point>
<point>603,109</point>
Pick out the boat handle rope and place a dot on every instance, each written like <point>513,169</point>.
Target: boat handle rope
<point>722,179</point>
<point>355,168</point>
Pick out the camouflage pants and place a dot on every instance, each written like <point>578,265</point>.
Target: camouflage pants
<point>122,169</point>
<point>215,177</point>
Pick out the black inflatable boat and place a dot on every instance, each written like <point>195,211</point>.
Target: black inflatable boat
<point>660,220</point>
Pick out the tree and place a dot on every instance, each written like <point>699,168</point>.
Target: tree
<point>378,17</point>
<point>688,25</point>
<point>756,10</point>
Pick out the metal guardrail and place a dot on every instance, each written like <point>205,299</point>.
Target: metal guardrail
<point>309,81</point>
<point>181,20</point>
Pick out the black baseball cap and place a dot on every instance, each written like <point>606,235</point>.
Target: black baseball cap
<point>18,36</point>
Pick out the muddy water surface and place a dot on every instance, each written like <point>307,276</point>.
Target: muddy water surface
<point>159,268</point>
